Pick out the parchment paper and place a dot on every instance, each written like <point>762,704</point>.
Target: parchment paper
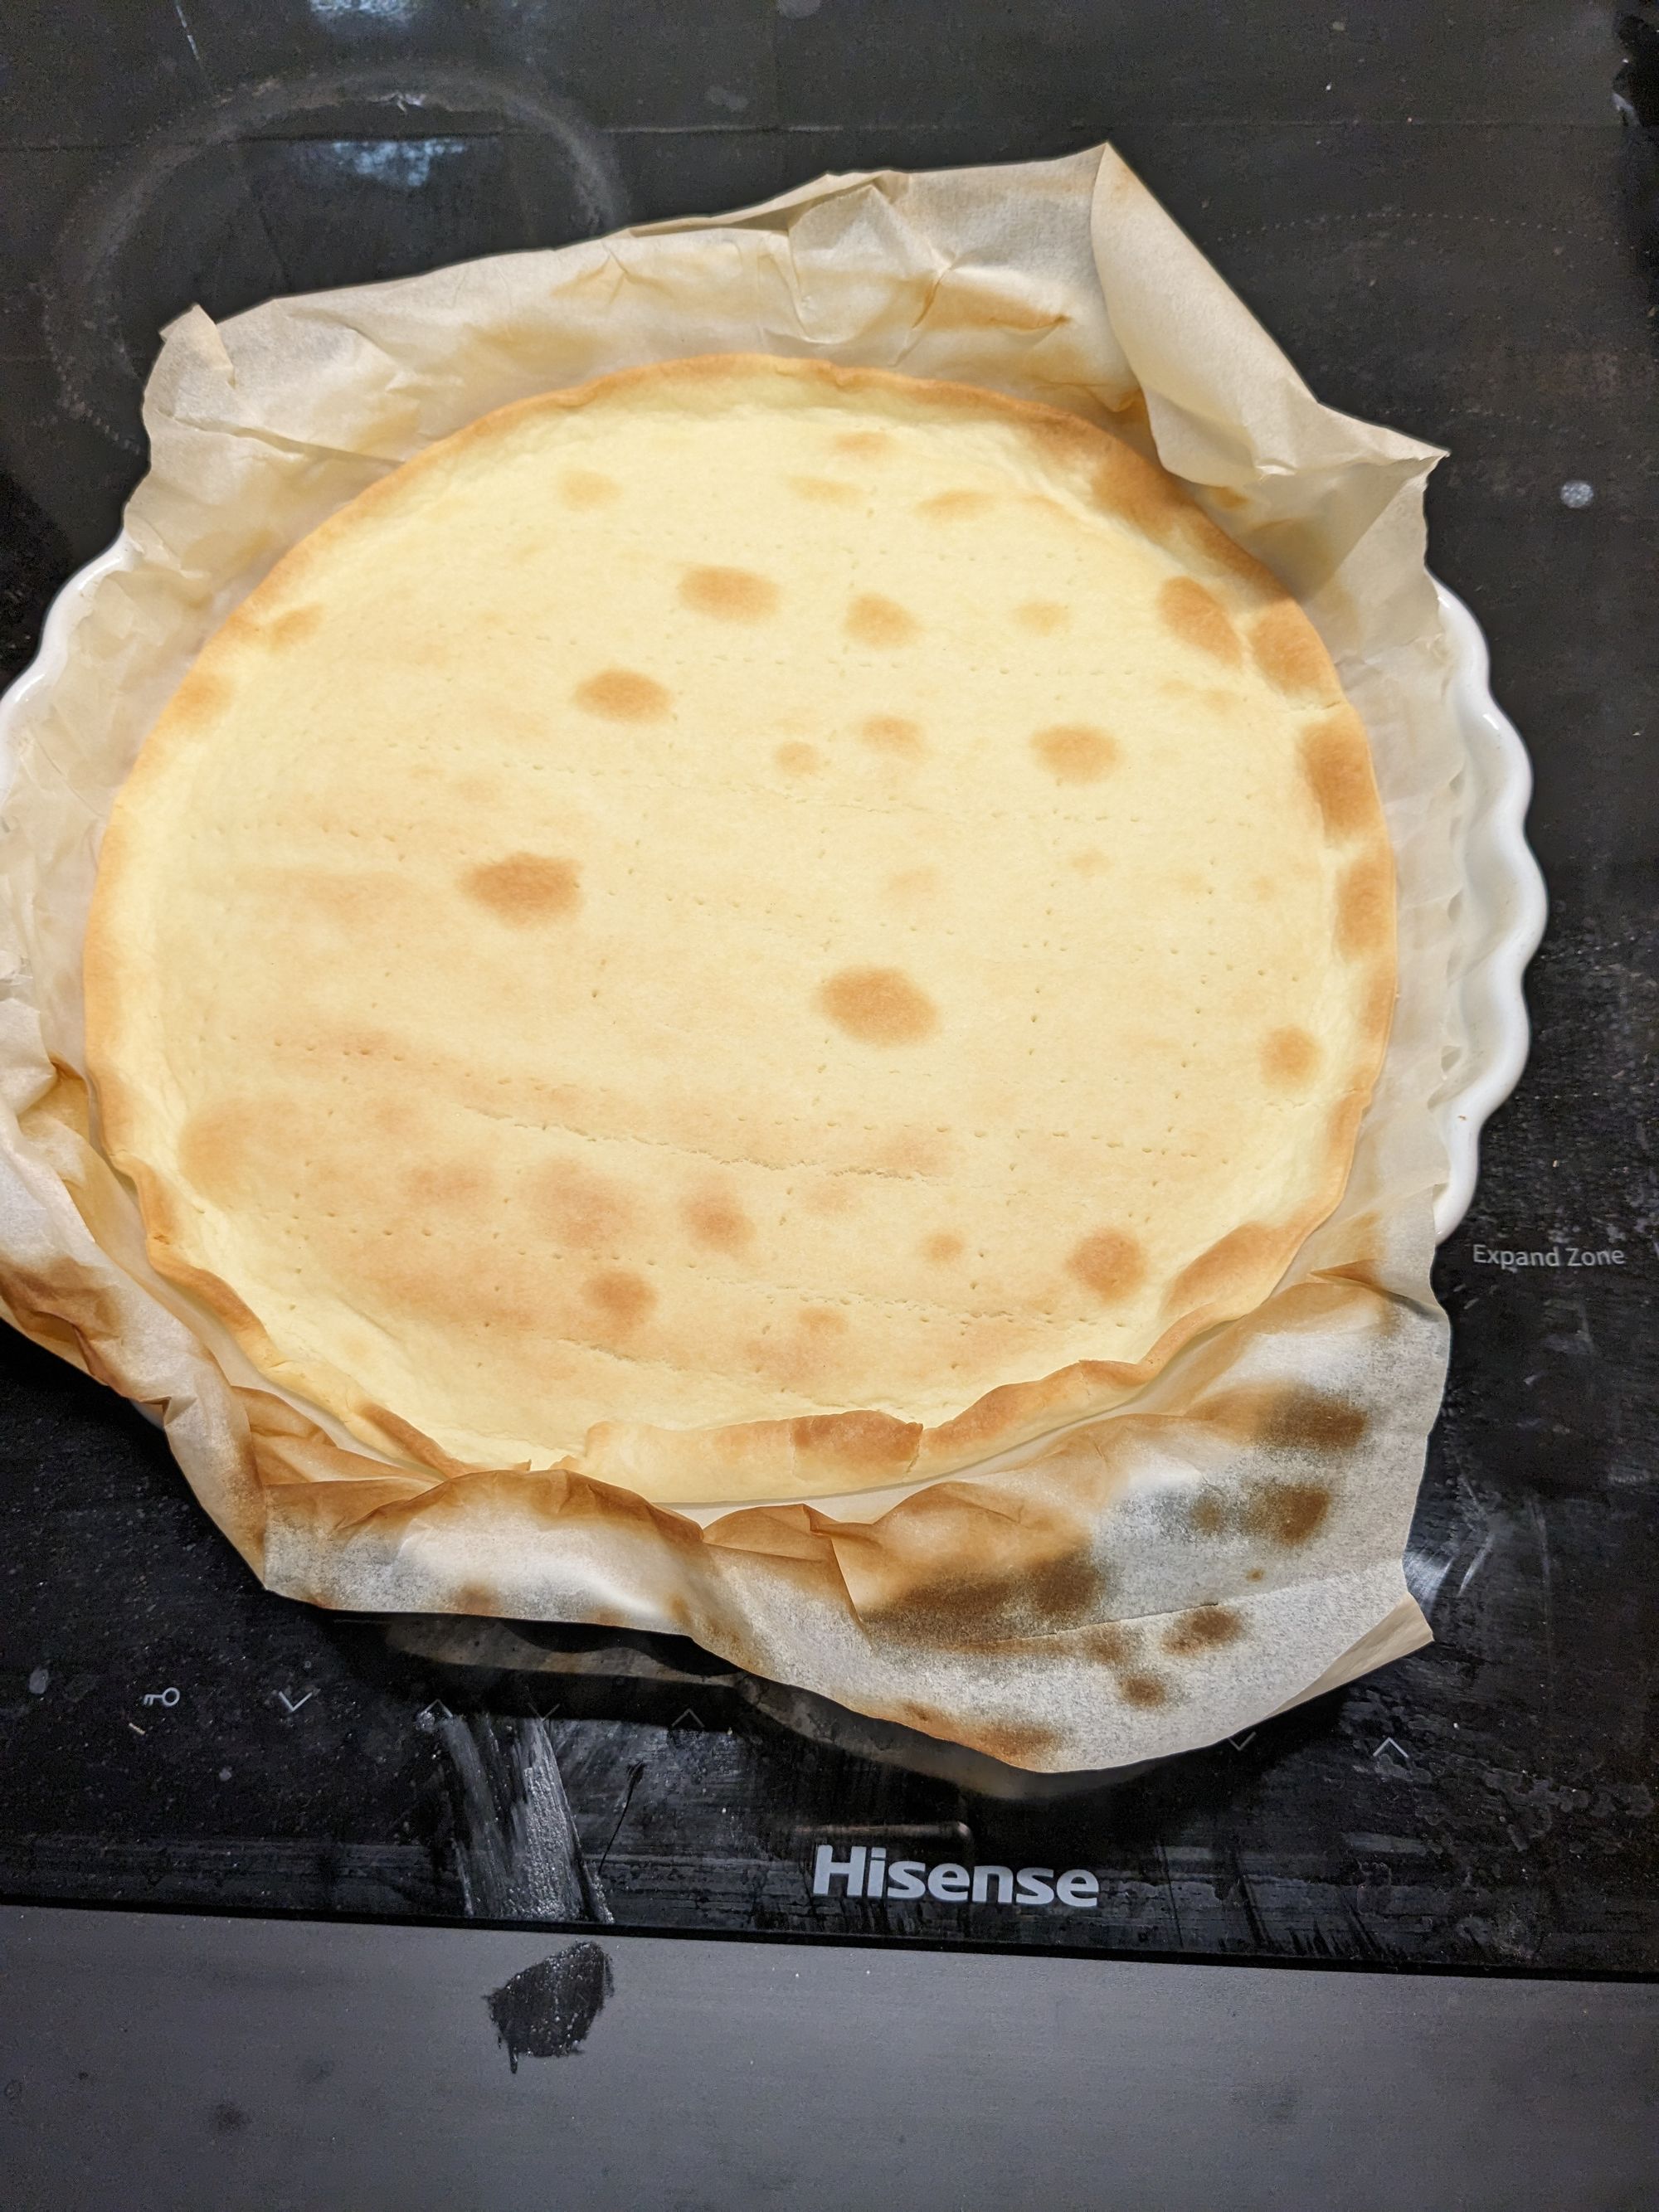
<point>1227,1543</point>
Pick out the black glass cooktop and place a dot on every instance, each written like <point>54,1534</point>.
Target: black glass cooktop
<point>1448,215</point>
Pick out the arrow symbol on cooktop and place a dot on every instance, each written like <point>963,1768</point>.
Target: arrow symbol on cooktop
<point>290,1702</point>
<point>1238,1742</point>
<point>1388,1744</point>
<point>686,1715</point>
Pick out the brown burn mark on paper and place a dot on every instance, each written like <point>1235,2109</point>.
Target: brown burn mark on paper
<point>1204,1628</point>
<point>1027,1744</point>
<point>961,1567</point>
<point>1285,1417</point>
<point>1286,1514</point>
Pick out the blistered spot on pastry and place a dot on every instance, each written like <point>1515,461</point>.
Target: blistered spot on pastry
<point>797,758</point>
<point>1214,546</point>
<point>1057,439</point>
<point>200,697</point>
<point>1365,905</point>
<point>893,734</point>
<point>914,1151</point>
<point>622,695</point>
<point>221,1147</point>
<point>912,887</point>
<point>588,488</point>
<point>1289,1057</point>
<point>444,1183</point>
<point>623,1298</point>
<point>878,1005</point>
<point>729,594</point>
<point>824,491</point>
<point>830,1195</point>
<point>1237,1259</point>
<point>873,620</point>
<point>1197,618</point>
<point>1075,752</point>
<point>298,622</point>
<point>716,1219</point>
<point>942,1247</point>
<point>1146,496</point>
<point>1041,617</point>
<point>1090,861</point>
<point>1206,1628</point>
<point>876,1441</point>
<point>954,505</point>
<point>1336,761</point>
<point>822,1321</point>
<point>584,1211</point>
<point>1142,1689</point>
<point>861,445</point>
<point>525,887</point>
<point>1286,647</point>
<point>393,1117</point>
<point>1111,1263</point>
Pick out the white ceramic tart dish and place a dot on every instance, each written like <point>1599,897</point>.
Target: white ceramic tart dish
<point>746,918</point>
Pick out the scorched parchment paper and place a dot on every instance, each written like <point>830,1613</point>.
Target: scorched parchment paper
<point>1224,1545</point>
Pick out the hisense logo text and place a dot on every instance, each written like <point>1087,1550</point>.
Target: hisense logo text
<point>865,1872</point>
